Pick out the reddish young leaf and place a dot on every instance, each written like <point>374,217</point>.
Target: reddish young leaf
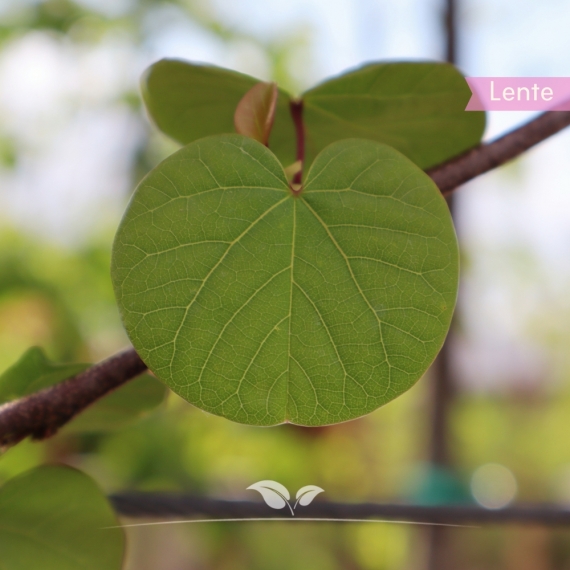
<point>255,112</point>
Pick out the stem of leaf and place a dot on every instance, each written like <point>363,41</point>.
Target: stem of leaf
<point>296,107</point>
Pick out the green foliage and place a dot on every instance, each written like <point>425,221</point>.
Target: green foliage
<point>255,299</point>
<point>264,306</point>
<point>418,108</point>
<point>64,302</point>
<point>8,153</point>
<point>22,278</point>
<point>34,371</point>
<point>54,518</point>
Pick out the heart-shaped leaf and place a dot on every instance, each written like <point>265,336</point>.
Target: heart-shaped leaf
<point>266,306</point>
<point>273,493</point>
<point>34,371</point>
<point>416,107</point>
<point>306,494</point>
<point>53,518</point>
<point>255,112</point>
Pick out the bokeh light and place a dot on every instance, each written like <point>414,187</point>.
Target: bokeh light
<point>493,486</point>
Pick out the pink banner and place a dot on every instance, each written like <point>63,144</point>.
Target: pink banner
<point>519,94</point>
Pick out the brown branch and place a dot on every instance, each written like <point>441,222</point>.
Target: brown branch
<point>296,107</point>
<point>177,506</point>
<point>480,159</point>
<point>41,414</point>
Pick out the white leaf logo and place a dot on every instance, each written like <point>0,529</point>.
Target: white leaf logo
<point>277,496</point>
<point>273,493</point>
<point>305,495</point>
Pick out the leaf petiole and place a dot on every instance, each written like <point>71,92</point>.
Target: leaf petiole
<point>296,107</point>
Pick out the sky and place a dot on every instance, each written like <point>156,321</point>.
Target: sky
<point>61,103</point>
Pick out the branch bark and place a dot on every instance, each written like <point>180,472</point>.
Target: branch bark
<point>40,415</point>
<point>172,505</point>
<point>485,157</point>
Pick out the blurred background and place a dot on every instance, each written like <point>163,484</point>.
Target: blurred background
<point>74,141</point>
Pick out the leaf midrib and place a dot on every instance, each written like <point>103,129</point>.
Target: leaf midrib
<point>288,396</point>
<point>349,267</point>
<point>289,316</point>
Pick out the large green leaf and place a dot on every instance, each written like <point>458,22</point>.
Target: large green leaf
<point>416,107</point>
<point>263,306</point>
<point>54,518</point>
<point>189,101</point>
<point>34,371</point>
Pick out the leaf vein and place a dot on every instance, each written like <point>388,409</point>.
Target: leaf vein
<point>325,227</point>
<point>255,293</point>
<point>215,266</point>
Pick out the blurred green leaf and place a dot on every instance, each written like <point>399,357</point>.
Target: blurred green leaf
<point>418,108</point>
<point>54,518</point>
<point>8,152</point>
<point>32,273</point>
<point>34,371</point>
<point>189,101</point>
<point>262,306</point>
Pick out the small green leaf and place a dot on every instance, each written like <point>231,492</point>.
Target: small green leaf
<point>34,371</point>
<point>54,518</point>
<point>189,101</point>
<point>265,307</point>
<point>416,107</point>
<point>255,113</point>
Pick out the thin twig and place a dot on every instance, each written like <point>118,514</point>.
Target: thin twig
<point>438,554</point>
<point>485,157</point>
<point>175,506</point>
<point>41,414</point>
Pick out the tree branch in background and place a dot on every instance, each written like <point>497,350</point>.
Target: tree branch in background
<point>171,505</point>
<point>40,415</point>
<point>451,174</point>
